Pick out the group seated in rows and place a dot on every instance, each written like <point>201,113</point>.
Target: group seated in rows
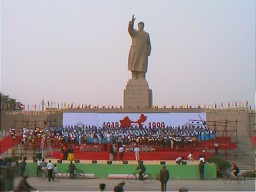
<point>172,137</point>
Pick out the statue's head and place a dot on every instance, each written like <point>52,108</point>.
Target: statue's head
<point>140,26</point>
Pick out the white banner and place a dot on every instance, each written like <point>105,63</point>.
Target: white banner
<point>158,120</point>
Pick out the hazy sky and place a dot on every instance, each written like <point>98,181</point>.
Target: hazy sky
<point>76,51</point>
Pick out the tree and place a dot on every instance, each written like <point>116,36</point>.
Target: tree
<point>10,104</point>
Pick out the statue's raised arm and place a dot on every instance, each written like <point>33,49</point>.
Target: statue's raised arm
<point>130,26</point>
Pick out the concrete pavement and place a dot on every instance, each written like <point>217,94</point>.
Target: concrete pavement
<point>173,185</point>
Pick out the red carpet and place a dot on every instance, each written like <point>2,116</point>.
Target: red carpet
<point>7,143</point>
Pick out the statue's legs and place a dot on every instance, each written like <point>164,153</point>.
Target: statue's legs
<point>134,75</point>
<point>138,75</point>
<point>141,75</point>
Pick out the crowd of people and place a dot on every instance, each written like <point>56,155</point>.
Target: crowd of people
<point>161,137</point>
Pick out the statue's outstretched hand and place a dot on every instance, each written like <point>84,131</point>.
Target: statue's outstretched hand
<point>133,18</point>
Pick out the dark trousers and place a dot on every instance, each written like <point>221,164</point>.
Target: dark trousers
<point>163,186</point>
<point>72,175</point>
<point>121,156</point>
<point>141,175</point>
<point>216,150</point>
<point>50,176</point>
<point>22,171</point>
<point>38,170</point>
<point>201,175</point>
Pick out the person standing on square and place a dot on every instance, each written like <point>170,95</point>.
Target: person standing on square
<point>50,168</point>
<point>137,153</point>
<point>164,177</point>
<point>121,153</point>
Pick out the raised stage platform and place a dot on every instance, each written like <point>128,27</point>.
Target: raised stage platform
<point>164,155</point>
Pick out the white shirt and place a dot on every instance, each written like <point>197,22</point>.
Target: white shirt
<point>136,150</point>
<point>216,145</point>
<point>121,149</point>
<point>190,156</point>
<point>201,159</point>
<point>49,166</point>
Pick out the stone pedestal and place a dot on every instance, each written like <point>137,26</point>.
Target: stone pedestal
<point>137,94</point>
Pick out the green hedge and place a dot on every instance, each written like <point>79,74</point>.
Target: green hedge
<point>221,164</point>
<point>249,174</point>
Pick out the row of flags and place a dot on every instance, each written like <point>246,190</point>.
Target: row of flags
<point>64,105</point>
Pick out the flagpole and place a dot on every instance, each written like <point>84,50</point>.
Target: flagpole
<point>43,105</point>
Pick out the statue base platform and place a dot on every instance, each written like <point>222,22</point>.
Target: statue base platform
<point>137,94</point>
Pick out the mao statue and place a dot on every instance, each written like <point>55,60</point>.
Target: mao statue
<point>139,51</point>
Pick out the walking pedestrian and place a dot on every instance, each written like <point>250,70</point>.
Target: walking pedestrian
<point>24,185</point>
<point>164,177</point>
<point>23,165</point>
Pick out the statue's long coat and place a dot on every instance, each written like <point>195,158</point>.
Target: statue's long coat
<point>139,51</point>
